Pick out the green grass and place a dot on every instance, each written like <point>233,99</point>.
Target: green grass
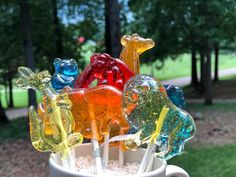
<point>16,129</point>
<point>215,106</point>
<point>20,98</point>
<point>232,77</point>
<point>208,162</point>
<point>181,66</point>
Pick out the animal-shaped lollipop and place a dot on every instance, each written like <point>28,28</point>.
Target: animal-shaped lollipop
<point>96,110</point>
<point>52,128</point>
<point>143,99</point>
<point>133,46</point>
<point>176,95</point>
<point>66,72</point>
<point>106,103</point>
<point>106,71</point>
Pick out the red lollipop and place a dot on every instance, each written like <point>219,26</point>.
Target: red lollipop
<point>106,70</point>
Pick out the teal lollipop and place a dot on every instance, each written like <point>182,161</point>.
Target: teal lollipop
<point>143,100</point>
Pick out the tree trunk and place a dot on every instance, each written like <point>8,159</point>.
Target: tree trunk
<point>57,30</point>
<point>3,116</point>
<point>25,16</point>
<point>208,85</point>
<point>194,80</point>
<point>216,75</point>
<point>11,104</point>
<point>202,70</point>
<point>112,28</point>
<point>5,91</point>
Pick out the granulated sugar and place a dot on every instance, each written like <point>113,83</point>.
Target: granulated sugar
<point>86,165</point>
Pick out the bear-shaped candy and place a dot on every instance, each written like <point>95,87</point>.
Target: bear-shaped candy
<point>66,71</point>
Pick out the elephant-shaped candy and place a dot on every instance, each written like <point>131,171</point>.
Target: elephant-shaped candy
<point>143,99</point>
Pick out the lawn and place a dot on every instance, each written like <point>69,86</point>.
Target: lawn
<point>181,66</point>
<point>20,98</point>
<point>215,107</point>
<point>208,162</point>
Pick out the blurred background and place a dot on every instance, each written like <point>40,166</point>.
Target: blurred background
<point>195,49</point>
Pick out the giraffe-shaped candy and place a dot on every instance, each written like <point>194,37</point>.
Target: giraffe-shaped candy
<point>133,46</point>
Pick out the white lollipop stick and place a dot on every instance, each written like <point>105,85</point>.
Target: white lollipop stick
<point>96,154</point>
<point>152,143</point>
<point>94,140</point>
<point>121,155</point>
<point>106,150</point>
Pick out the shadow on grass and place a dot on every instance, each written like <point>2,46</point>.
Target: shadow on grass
<point>16,129</point>
<point>208,162</point>
<point>215,107</point>
<point>225,88</point>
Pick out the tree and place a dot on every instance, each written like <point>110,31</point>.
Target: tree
<point>194,77</point>
<point>216,73</point>
<point>3,116</point>
<point>112,28</point>
<point>208,84</point>
<point>28,43</point>
<point>10,44</point>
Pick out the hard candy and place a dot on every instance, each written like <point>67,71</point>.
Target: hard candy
<point>66,72</point>
<point>143,99</point>
<point>104,70</point>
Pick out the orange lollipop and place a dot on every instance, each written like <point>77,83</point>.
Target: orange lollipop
<point>96,111</point>
<point>100,106</point>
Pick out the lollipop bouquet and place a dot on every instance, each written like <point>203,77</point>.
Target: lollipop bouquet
<point>109,103</point>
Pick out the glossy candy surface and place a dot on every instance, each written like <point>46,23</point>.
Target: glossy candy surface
<point>101,104</point>
<point>51,128</point>
<point>66,72</point>
<point>133,46</point>
<point>104,70</point>
<point>176,95</point>
<point>143,99</point>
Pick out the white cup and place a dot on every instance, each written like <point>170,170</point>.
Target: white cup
<point>159,168</point>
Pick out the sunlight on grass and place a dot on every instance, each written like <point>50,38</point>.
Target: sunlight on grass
<point>20,98</point>
<point>181,66</point>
